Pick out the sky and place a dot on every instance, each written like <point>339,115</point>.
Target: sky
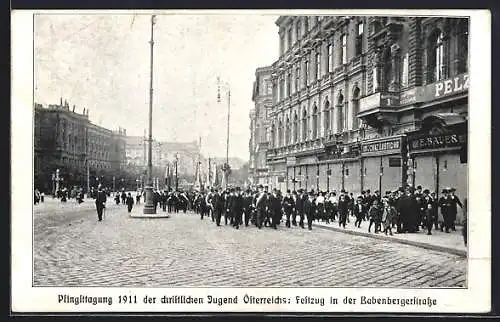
<point>102,63</point>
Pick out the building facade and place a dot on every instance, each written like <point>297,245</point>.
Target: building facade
<point>369,103</point>
<point>68,141</point>
<point>163,157</point>
<point>259,124</point>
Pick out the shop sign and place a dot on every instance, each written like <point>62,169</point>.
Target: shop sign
<point>382,146</point>
<point>438,141</point>
<point>453,85</point>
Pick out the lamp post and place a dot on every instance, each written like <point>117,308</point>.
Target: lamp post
<point>225,168</point>
<point>149,207</point>
<point>176,173</point>
<point>380,178</point>
<point>57,179</point>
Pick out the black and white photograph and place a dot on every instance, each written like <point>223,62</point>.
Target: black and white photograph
<point>253,150</point>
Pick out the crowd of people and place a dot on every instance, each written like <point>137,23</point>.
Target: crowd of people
<point>404,210</point>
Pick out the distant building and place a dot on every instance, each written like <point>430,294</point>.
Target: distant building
<point>365,102</point>
<point>68,141</point>
<point>259,123</point>
<point>163,155</point>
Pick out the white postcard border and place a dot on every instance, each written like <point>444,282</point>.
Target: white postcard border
<point>475,299</point>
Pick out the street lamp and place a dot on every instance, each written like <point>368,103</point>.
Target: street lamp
<point>176,171</point>
<point>149,207</point>
<point>225,168</point>
<point>380,178</point>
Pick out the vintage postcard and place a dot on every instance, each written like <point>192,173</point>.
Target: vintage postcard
<point>251,161</point>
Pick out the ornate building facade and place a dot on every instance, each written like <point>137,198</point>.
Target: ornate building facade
<point>68,141</point>
<point>369,103</point>
<point>259,124</point>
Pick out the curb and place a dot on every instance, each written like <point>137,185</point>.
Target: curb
<point>438,248</point>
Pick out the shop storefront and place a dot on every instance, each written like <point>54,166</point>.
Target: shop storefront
<point>383,163</point>
<point>438,154</point>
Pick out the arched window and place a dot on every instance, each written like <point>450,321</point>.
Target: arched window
<point>340,111</point>
<point>287,132</point>
<point>280,134</point>
<point>463,46</point>
<point>315,122</point>
<point>295,128</point>
<point>355,108</point>
<point>304,125</point>
<point>435,57</point>
<point>327,117</point>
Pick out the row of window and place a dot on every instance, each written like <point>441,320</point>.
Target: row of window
<point>282,135</point>
<point>290,37</point>
<point>329,63</point>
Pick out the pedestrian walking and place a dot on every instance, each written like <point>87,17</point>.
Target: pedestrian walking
<point>388,216</point>
<point>310,209</point>
<point>375,216</point>
<point>359,212</point>
<point>130,202</point>
<point>100,202</point>
<point>343,208</point>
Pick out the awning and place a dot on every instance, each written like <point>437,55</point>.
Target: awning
<point>443,119</point>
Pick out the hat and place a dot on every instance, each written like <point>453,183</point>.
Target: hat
<point>343,191</point>
<point>453,189</point>
<point>363,192</point>
<point>426,191</point>
<point>419,187</point>
<point>238,189</point>
<point>411,189</point>
<point>388,192</point>
<point>367,190</point>
<point>444,191</point>
<point>260,186</point>
<point>400,189</point>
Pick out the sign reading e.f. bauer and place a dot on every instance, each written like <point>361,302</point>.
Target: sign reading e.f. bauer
<point>438,141</point>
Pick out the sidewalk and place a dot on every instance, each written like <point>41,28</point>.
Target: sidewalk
<point>440,241</point>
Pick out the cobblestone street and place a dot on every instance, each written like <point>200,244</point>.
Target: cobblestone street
<point>73,249</point>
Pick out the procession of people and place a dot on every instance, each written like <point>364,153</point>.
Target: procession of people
<point>404,210</point>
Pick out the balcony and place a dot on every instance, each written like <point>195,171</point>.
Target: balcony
<point>340,73</point>
<point>379,108</point>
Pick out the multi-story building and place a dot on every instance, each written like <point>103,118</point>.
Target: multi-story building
<point>68,141</point>
<point>163,155</point>
<point>259,123</point>
<point>369,103</point>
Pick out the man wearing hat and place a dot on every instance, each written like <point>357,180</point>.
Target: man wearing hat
<point>451,209</point>
<point>444,209</point>
<point>237,207</point>
<point>310,209</point>
<point>100,202</point>
<point>247,205</point>
<point>426,207</point>
<point>343,208</point>
<point>299,206</point>
<point>261,206</point>
<point>288,207</point>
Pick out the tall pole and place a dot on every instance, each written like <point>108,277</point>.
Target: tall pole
<point>88,178</point>
<point>228,116</point>
<point>380,178</point>
<point>149,207</point>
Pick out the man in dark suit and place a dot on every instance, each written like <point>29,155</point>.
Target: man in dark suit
<point>310,209</point>
<point>100,202</point>
<point>237,207</point>
<point>288,203</point>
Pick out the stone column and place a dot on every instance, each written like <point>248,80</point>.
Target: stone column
<point>377,70</point>
<point>395,61</point>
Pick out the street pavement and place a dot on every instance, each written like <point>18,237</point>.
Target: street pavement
<point>73,249</point>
